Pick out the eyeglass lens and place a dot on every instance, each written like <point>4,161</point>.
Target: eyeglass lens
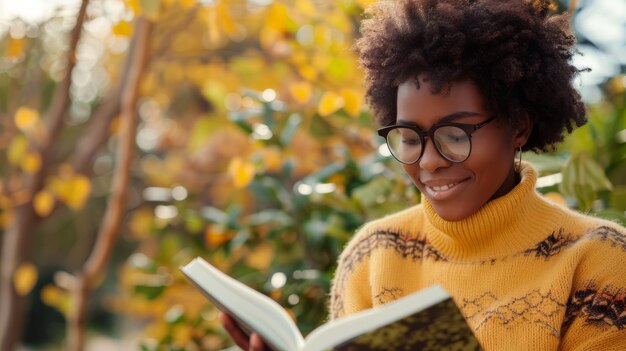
<point>452,142</point>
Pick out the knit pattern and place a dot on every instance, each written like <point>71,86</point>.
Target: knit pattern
<point>532,307</point>
<point>526,273</point>
<point>603,309</point>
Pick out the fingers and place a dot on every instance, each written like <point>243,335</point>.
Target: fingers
<point>256,343</point>
<point>238,336</point>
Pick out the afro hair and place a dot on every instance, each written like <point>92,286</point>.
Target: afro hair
<point>517,52</point>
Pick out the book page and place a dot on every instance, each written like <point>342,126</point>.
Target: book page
<point>348,328</point>
<point>440,327</point>
<point>253,310</point>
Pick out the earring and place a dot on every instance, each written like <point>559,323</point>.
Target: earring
<point>518,164</point>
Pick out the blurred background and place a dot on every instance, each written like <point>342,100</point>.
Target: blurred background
<point>138,134</point>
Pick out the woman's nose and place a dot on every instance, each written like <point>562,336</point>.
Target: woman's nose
<point>431,159</point>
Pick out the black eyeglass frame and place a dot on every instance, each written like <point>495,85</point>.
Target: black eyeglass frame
<point>469,129</point>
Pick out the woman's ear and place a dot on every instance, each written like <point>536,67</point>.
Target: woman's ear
<point>522,131</point>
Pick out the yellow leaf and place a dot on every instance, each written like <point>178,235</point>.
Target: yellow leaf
<point>215,235</point>
<point>306,7</point>
<point>329,103</point>
<point>157,330</point>
<point>72,189</point>
<point>122,29</point>
<point>301,91</point>
<point>141,223</point>
<point>51,294</point>
<point>25,278</point>
<point>226,20</point>
<point>31,163</point>
<point>81,188</point>
<point>272,159</point>
<point>43,203</point>
<point>308,72</point>
<point>54,296</point>
<point>26,118</point>
<point>241,172</point>
<point>352,101</point>
<point>134,5</point>
<point>187,4</point>
<point>276,294</point>
<point>261,257</point>
<point>181,335</point>
<point>321,61</point>
<point>556,197</point>
<point>17,149</point>
<point>277,17</point>
<point>365,3</point>
<point>15,47</point>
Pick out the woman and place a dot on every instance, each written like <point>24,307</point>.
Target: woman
<point>459,87</point>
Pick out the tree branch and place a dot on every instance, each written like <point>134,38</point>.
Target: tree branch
<point>94,267</point>
<point>61,98</point>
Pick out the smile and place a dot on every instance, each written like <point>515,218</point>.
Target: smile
<point>443,187</point>
<point>444,191</point>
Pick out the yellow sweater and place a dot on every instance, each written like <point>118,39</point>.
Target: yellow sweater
<point>528,274</point>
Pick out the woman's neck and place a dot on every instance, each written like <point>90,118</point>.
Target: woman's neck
<point>512,179</point>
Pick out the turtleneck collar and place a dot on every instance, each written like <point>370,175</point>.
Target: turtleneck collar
<point>509,224</point>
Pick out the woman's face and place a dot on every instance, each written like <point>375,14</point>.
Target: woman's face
<point>457,190</point>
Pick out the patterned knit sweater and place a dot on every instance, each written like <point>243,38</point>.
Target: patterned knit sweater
<point>527,273</point>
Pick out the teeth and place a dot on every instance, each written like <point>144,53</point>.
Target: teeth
<point>443,187</point>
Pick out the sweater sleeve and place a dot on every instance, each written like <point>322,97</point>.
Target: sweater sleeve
<point>595,317</point>
<point>350,291</point>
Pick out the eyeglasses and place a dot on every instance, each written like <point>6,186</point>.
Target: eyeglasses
<point>453,141</point>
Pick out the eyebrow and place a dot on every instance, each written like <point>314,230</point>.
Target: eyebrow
<point>447,118</point>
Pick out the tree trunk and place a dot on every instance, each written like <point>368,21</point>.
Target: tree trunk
<point>18,235</point>
<point>14,252</point>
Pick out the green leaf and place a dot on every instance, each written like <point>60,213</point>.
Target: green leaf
<point>142,262</point>
<point>150,8</point>
<point>618,198</point>
<point>240,120</point>
<point>582,179</point>
<point>175,314</point>
<point>546,163</point>
<point>292,125</point>
<point>324,173</point>
<point>268,115</point>
<point>596,177</point>
<point>373,192</point>
<point>215,215</point>
<point>613,215</point>
<point>150,292</point>
<point>320,127</point>
<point>270,216</point>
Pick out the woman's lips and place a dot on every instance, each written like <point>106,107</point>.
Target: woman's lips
<point>442,190</point>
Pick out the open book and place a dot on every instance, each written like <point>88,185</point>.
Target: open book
<point>425,320</point>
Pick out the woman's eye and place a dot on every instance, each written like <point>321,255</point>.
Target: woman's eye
<point>455,137</point>
<point>410,140</point>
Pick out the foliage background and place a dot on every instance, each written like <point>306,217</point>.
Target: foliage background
<point>253,150</point>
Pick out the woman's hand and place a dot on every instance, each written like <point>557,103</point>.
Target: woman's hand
<point>255,343</point>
